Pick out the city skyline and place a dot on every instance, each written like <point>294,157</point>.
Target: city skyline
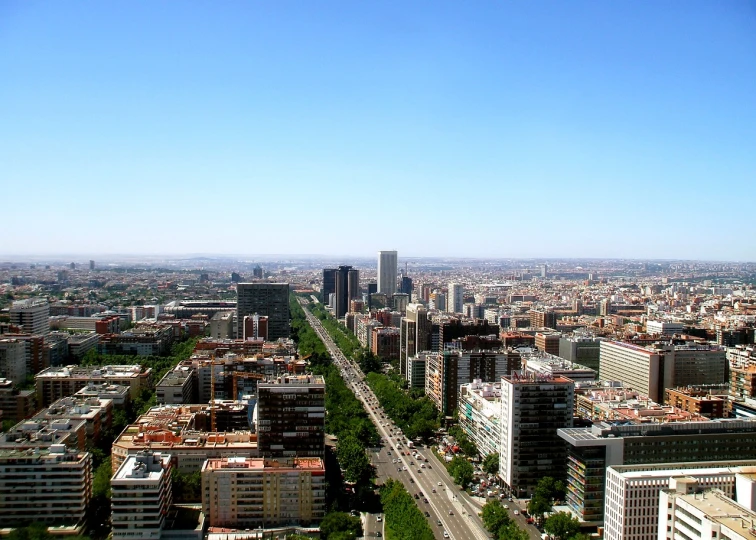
<point>616,130</point>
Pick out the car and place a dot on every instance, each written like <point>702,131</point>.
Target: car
<point>378,534</point>
<point>517,512</point>
<point>446,534</point>
<point>417,496</point>
<point>379,518</point>
<point>425,501</point>
<point>427,514</point>
<point>440,484</point>
<point>506,506</point>
<point>451,512</point>
<point>434,490</point>
<point>399,469</point>
<point>438,522</point>
<point>412,481</point>
<point>419,470</point>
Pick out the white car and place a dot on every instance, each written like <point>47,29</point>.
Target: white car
<point>446,534</point>
<point>379,518</point>
<point>517,512</point>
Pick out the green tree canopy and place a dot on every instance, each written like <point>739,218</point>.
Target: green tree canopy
<point>353,459</point>
<point>336,524</point>
<point>491,463</point>
<point>562,526</point>
<point>462,471</point>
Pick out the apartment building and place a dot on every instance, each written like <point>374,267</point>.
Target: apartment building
<point>548,342</point>
<point>243,492</point>
<point>479,412</point>
<point>95,412</point>
<point>16,404</point>
<point>185,432</point>
<point>58,382</point>
<point>44,433</point>
<point>177,387</point>
<point>291,416</point>
<point>49,485</point>
<point>141,494</point>
<point>533,408</point>
<point>33,314</point>
<point>13,360</point>
<point>446,371</point>
<point>117,393</point>
<point>416,366</point>
<point>695,401</point>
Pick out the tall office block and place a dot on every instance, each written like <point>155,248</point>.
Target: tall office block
<point>456,298</point>
<point>269,299</point>
<point>342,291</point>
<point>533,408</point>
<point>406,285</point>
<point>91,265</point>
<point>387,261</point>
<point>415,331</point>
<point>33,314</point>
<point>353,284</point>
<point>13,360</point>
<point>329,284</point>
<point>291,416</point>
<point>652,369</point>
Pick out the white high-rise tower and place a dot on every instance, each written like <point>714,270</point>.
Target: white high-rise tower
<point>456,298</point>
<point>387,272</point>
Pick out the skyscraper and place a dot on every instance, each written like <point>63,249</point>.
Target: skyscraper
<point>269,299</point>
<point>387,272</point>
<point>342,291</point>
<point>329,284</point>
<point>406,285</point>
<point>456,298</point>
<point>353,286</point>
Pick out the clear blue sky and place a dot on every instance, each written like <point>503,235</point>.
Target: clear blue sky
<point>511,129</point>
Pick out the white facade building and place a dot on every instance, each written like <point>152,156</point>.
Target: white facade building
<point>33,314</point>
<point>479,410</point>
<point>456,298</point>
<point>665,328</point>
<point>141,495</point>
<point>13,360</point>
<point>690,513</point>
<point>631,502</point>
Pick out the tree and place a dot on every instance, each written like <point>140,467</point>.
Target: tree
<point>562,526</point>
<point>491,463</point>
<point>537,506</point>
<point>513,532</point>
<point>462,471</point>
<point>495,517</point>
<point>340,522</point>
<point>353,459</point>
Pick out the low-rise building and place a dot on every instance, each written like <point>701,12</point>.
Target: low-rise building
<point>185,432</point>
<point>97,414</point>
<point>117,393</point>
<point>700,402</point>
<point>249,493</point>
<point>44,433</point>
<point>58,382</point>
<point>178,386</point>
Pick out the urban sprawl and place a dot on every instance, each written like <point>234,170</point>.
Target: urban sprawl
<point>225,399</point>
